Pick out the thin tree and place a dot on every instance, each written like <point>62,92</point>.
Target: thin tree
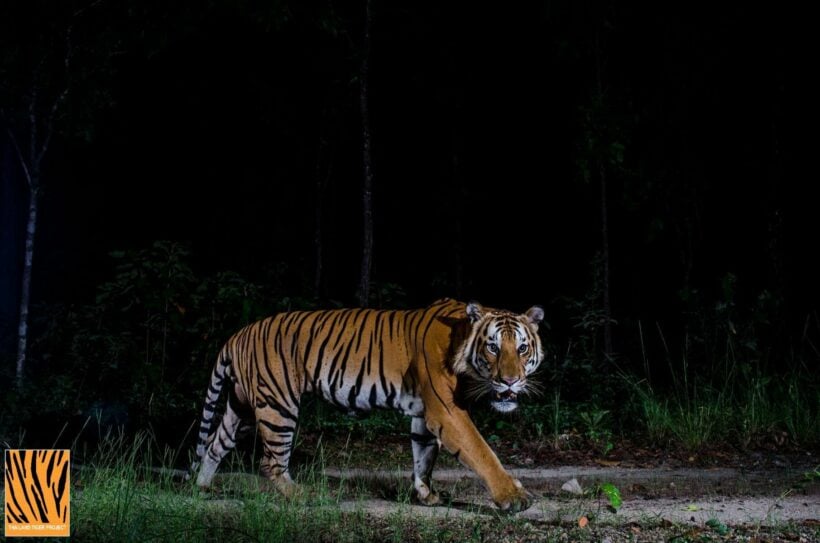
<point>40,128</point>
<point>30,137</point>
<point>604,212</point>
<point>601,155</point>
<point>322,175</point>
<point>367,189</point>
<point>458,195</point>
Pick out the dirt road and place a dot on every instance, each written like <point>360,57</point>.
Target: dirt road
<point>730,496</point>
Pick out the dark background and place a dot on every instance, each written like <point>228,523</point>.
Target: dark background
<point>210,123</point>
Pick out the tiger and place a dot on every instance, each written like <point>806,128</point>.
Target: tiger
<point>430,364</point>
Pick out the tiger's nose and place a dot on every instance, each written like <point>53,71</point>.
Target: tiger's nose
<point>510,381</point>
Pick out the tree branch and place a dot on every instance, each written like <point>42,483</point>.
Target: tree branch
<point>20,157</point>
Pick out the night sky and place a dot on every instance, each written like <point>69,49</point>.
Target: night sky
<point>209,123</point>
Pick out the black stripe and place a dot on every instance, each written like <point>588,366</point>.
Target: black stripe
<point>275,428</point>
<point>362,327</point>
<point>11,516</point>
<point>274,443</point>
<point>423,439</point>
<point>267,369</point>
<point>348,314</point>
<point>62,488</point>
<point>320,355</point>
<point>279,408</point>
<point>51,462</point>
<point>392,396</point>
<point>390,320</point>
<point>427,363</point>
<point>297,332</point>
<point>373,397</point>
<point>318,324</point>
<point>37,493</point>
<point>9,478</point>
<point>226,446</point>
<point>332,375</point>
<point>357,387</point>
<point>382,376</point>
<point>21,465</point>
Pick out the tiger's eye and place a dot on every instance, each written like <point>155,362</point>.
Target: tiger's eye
<point>492,348</point>
<point>522,348</point>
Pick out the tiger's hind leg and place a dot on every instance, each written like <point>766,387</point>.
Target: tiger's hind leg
<point>222,442</point>
<point>277,429</point>
<point>425,451</point>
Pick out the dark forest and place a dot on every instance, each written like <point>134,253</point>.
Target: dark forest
<point>643,172</point>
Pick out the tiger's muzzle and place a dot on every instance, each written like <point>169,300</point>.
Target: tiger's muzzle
<point>504,396</point>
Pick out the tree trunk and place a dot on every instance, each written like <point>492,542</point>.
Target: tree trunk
<point>25,291</point>
<point>604,212</point>
<point>458,237</point>
<point>317,236</point>
<point>31,173</point>
<point>322,174</point>
<point>605,259</point>
<point>31,166</point>
<point>367,190</point>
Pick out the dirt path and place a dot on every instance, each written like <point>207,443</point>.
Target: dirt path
<point>682,496</point>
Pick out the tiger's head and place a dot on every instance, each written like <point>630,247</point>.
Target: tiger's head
<point>500,351</point>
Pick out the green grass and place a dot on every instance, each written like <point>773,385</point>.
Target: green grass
<point>126,490</point>
<point>120,496</point>
<point>738,401</point>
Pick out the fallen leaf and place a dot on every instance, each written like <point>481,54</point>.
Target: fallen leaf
<point>583,521</point>
<point>691,507</point>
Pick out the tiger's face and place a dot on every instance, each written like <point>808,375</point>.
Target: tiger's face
<point>502,349</point>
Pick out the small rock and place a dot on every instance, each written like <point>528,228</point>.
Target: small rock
<point>573,487</point>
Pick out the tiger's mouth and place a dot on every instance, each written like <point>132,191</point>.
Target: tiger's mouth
<point>504,402</point>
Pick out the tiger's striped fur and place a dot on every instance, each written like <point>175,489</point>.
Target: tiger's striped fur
<point>360,359</point>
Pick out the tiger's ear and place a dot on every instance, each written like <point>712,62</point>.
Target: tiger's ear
<point>534,315</point>
<point>474,311</point>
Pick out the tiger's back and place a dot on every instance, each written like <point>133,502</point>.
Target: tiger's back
<point>357,359</point>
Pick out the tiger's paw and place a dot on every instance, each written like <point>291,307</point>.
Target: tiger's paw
<point>282,484</point>
<point>432,498</point>
<point>514,499</point>
<point>424,495</point>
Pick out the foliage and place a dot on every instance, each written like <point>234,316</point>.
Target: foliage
<point>722,383</point>
<point>612,494</point>
<point>140,354</point>
<point>145,346</point>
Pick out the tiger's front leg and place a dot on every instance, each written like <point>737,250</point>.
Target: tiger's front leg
<point>458,434</point>
<point>425,451</point>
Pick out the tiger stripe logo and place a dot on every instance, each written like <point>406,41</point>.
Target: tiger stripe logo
<point>37,497</point>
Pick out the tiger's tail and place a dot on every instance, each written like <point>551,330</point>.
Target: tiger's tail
<point>221,372</point>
